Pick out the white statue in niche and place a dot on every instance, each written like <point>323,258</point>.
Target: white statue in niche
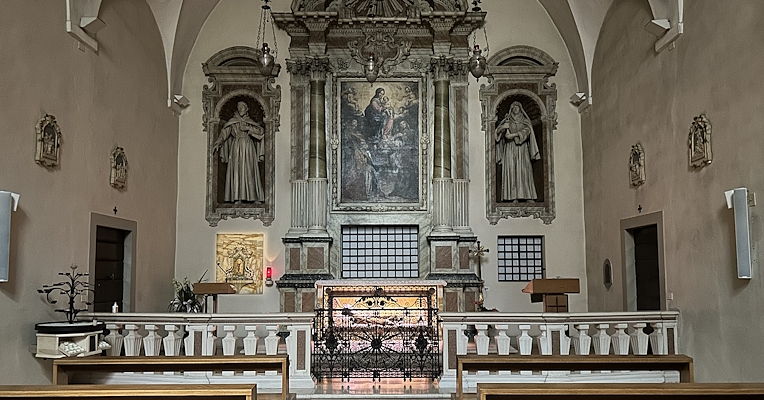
<point>241,147</point>
<point>515,150</point>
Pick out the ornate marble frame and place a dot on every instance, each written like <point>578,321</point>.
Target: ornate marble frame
<point>525,71</point>
<point>118,178</point>
<point>424,142</point>
<point>234,72</point>
<point>43,156</point>
<point>699,141</point>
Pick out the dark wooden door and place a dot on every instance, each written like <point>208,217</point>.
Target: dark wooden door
<point>109,268</point>
<point>646,267</point>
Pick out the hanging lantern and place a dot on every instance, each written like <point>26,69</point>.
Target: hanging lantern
<point>477,62</point>
<point>371,69</point>
<point>267,61</point>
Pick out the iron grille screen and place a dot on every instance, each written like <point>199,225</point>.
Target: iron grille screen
<point>521,258</point>
<point>377,332</point>
<point>380,251</point>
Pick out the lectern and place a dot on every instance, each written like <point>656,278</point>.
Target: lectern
<point>212,289</point>
<point>553,292</point>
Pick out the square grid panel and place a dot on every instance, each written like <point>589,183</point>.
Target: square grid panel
<point>380,252</point>
<point>521,258</point>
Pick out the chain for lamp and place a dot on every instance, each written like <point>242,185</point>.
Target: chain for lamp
<point>266,17</point>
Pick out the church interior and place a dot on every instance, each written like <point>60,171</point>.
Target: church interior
<point>342,180</point>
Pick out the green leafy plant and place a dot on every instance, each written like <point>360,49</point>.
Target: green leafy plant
<point>185,300</point>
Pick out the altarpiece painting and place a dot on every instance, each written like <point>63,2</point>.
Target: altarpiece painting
<point>518,120</point>
<point>241,116</point>
<point>239,261</point>
<point>379,162</point>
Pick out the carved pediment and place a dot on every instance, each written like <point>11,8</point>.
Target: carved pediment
<point>378,8</point>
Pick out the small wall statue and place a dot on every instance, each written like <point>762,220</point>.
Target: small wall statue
<point>48,141</point>
<point>118,168</point>
<point>637,165</point>
<point>699,142</point>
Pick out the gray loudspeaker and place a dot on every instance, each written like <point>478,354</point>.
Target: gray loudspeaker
<point>7,204</point>
<point>738,199</point>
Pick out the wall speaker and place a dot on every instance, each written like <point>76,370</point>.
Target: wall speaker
<point>738,199</point>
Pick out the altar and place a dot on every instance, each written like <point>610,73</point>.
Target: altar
<point>377,329</point>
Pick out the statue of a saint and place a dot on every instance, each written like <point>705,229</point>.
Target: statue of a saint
<point>516,148</point>
<point>241,147</point>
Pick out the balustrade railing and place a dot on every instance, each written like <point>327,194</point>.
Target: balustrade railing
<point>618,333</point>
<point>177,334</point>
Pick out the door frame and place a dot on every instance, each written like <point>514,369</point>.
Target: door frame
<point>128,268</point>
<point>628,271</point>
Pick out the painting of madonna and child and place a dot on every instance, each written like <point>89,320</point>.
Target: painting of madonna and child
<point>379,142</point>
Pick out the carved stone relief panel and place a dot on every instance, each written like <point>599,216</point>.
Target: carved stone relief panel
<point>241,117</point>
<point>118,168</point>
<point>48,141</point>
<point>699,142</point>
<point>637,165</point>
<point>519,119</point>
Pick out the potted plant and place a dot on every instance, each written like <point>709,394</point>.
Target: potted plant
<point>185,300</point>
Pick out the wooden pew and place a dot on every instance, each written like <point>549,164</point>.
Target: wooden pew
<point>512,362</point>
<point>65,368</point>
<point>144,392</point>
<point>608,391</point>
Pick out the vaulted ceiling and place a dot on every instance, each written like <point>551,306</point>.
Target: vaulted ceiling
<point>180,21</point>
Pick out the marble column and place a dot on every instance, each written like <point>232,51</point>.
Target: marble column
<point>317,181</point>
<point>442,181</point>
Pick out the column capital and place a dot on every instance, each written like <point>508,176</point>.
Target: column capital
<point>447,67</point>
<point>314,67</point>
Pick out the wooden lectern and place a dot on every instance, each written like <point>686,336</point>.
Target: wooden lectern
<point>553,292</point>
<point>212,289</point>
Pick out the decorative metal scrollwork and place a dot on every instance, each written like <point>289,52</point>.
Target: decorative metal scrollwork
<point>377,333</point>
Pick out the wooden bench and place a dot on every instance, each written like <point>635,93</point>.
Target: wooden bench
<point>65,368</point>
<point>145,392</point>
<point>559,391</point>
<point>680,363</point>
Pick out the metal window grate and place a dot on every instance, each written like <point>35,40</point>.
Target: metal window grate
<point>380,252</point>
<point>521,258</point>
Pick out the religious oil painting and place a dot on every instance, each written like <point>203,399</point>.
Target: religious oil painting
<point>380,130</point>
<point>240,262</point>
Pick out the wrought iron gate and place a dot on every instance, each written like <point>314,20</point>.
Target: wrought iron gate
<point>376,332</point>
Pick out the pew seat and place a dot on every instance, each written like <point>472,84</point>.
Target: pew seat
<point>143,392</point>
<point>612,391</point>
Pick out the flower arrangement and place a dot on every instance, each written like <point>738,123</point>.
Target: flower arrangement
<point>185,300</point>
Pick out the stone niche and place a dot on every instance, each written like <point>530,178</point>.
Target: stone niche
<point>519,75</point>
<point>340,169</point>
<point>235,78</point>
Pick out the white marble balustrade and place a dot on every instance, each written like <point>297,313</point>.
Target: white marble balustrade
<point>176,334</point>
<point>618,333</point>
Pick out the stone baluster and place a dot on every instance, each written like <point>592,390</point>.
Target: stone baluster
<point>132,341</point>
<point>482,340</point>
<point>114,338</point>
<point>601,340</point>
<point>545,340</point>
<point>272,341</point>
<point>620,340</point>
<point>152,343</point>
<point>524,341</point>
<point>250,342</point>
<point>461,340</point>
<point>208,349</point>
<point>639,339</point>
<point>658,340</point>
<point>194,342</point>
<point>582,342</point>
<point>172,341</point>
<point>229,341</point>
<point>503,345</point>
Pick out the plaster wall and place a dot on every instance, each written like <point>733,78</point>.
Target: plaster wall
<point>652,98</point>
<point>509,23</point>
<point>115,97</point>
